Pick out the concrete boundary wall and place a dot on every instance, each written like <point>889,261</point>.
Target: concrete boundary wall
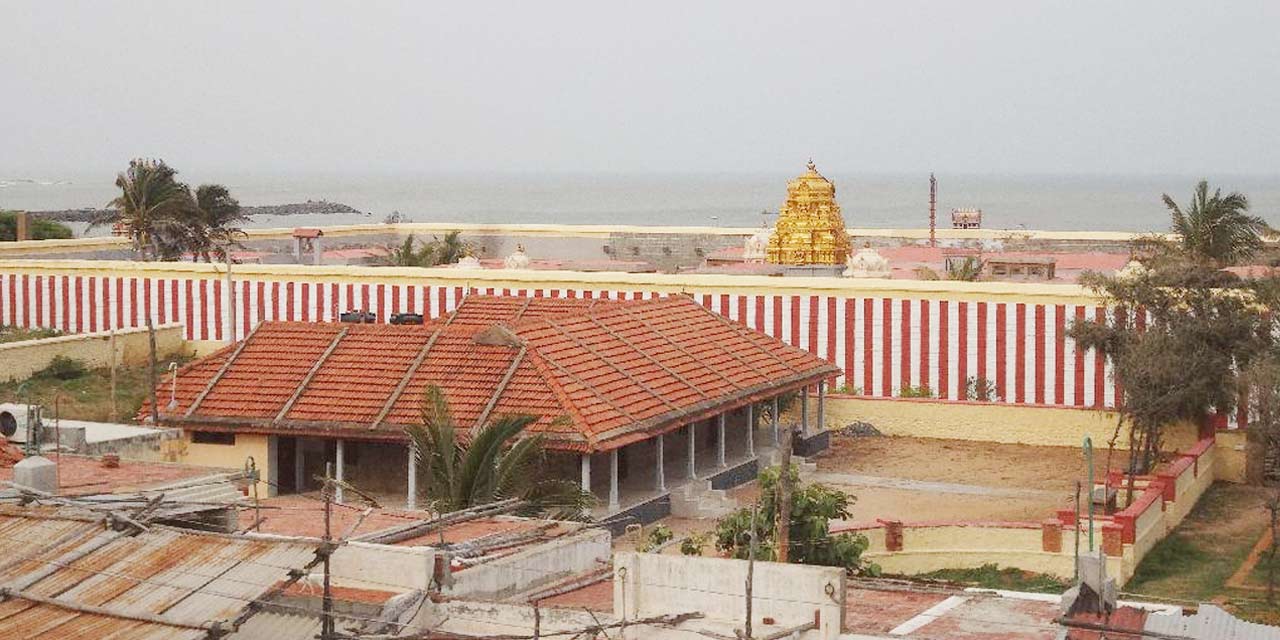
<point>22,359</point>
<point>884,334</point>
<point>576,553</point>
<point>1162,502</point>
<point>652,584</point>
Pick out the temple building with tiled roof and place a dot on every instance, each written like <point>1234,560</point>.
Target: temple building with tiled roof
<point>660,391</point>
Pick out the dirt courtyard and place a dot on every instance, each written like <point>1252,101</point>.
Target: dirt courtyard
<point>928,479</point>
<point>917,479</point>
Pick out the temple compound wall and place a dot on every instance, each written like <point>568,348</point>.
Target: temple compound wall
<point>886,335</point>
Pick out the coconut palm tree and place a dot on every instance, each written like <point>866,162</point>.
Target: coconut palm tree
<point>213,221</point>
<point>150,207</point>
<point>465,469</point>
<point>1217,229</point>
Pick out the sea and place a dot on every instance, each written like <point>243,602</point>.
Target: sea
<point>1008,201</point>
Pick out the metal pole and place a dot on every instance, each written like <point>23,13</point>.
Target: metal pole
<point>326,619</point>
<point>231,297</point>
<point>1088,457</point>
<point>751,565</point>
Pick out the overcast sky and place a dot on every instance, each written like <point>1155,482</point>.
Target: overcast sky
<point>1018,86</point>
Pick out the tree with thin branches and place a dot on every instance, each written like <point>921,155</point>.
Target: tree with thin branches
<point>1217,229</point>
<point>499,461</point>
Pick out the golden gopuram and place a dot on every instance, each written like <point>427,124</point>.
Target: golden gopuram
<point>810,229</point>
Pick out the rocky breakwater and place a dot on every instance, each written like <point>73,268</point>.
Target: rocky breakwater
<point>298,208</point>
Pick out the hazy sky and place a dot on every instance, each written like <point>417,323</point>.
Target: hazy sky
<point>1018,86</point>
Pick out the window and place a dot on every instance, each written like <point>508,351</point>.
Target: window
<point>213,437</point>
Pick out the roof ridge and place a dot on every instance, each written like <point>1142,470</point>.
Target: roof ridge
<point>311,374</point>
<point>226,366</point>
<point>610,363</point>
<point>544,374</point>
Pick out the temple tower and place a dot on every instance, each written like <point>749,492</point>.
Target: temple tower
<point>810,230</point>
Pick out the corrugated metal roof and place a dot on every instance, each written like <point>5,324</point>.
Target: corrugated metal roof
<point>71,578</point>
<point>278,625</point>
<point>1210,623</point>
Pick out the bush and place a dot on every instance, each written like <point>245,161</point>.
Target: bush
<point>39,228</point>
<point>813,506</point>
<point>693,545</point>
<point>63,368</point>
<point>658,536</point>
<point>980,390</point>
<point>922,391</point>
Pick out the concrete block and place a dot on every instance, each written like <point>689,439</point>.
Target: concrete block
<point>37,472</point>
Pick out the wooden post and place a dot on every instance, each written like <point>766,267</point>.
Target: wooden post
<point>751,565</point>
<point>115,417</point>
<point>151,369</point>
<point>775,421</point>
<point>783,535</point>
<point>326,605</point>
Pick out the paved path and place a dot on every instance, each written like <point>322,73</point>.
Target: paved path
<point>849,479</point>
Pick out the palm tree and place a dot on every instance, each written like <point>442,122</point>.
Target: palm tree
<point>1217,229</point>
<point>412,253</point>
<point>465,469</point>
<point>212,225</point>
<point>149,207</point>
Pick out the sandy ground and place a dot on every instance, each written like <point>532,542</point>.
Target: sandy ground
<point>924,479</point>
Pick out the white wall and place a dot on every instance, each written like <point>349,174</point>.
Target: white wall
<point>648,584</point>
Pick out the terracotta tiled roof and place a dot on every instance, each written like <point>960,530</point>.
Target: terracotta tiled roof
<point>599,373</point>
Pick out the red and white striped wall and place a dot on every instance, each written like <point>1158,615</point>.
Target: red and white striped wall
<point>881,343</point>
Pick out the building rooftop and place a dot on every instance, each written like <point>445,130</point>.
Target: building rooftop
<point>71,578</point>
<point>600,373</point>
<point>87,475</point>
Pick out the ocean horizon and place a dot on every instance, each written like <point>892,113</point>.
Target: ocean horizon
<point>1075,202</point>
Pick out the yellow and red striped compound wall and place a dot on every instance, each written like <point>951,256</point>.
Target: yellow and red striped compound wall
<point>884,334</point>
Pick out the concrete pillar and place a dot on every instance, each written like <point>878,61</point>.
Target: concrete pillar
<point>720,441</point>
<point>297,250</point>
<point>822,407</point>
<point>585,465</point>
<point>272,476</point>
<point>776,441</point>
<point>613,480</point>
<point>804,411</point>
<point>660,483</point>
<point>317,251</point>
<point>411,492</point>
<point>693,460</point>
<point>339,462</point>
<point>751,430</point>
<point>299,468</point>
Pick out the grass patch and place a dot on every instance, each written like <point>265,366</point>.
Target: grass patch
<point>1194,562</point>
<point>991,576</point>
<point>18,334</point>
<point>88,396</point>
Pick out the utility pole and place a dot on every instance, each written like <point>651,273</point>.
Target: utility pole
<point>783,535</point>
<point>151,369</point>
<point>114,414</point>
<point>751,565</point>
<point>326,607</point>
<point>933,211</point>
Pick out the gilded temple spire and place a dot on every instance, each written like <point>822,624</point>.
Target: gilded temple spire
<point>810,229</point>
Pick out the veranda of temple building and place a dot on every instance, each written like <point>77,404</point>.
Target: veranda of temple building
<point>636,399</point>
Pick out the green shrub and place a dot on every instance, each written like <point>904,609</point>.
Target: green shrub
<point>693,545</point>
<point>63,368</point>
<point>922,391</point>
<point>658,536</point>
<point>38,228</point>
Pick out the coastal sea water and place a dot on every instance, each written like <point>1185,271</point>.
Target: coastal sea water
<point>1068,202</point>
